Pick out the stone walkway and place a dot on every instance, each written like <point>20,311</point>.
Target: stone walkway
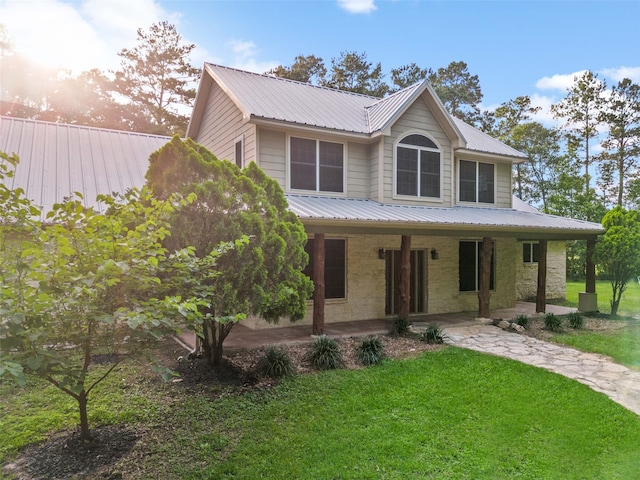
<point>618,382</point>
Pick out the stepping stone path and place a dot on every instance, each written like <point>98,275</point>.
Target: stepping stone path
<point>618,382</point>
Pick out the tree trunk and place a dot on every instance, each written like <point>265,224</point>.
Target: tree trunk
<point>541,295</point>
<point>484,295</point>
<point>214,334</point>
<point>318,283</point>
<point>405,277</point>
<point>84,418</point>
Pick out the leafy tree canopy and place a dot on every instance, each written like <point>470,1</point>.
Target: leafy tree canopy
<point>618,251</point>
<point>82,284</point>
<point>264,277</point>
<point>158,80</point>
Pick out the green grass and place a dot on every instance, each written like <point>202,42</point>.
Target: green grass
<point>447,414</point>
<point>629,304</point>
<point>621,344</point>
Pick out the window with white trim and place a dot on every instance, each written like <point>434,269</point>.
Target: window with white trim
<point>418,167</point>
<point>316,165</point>
<point>469,266</point>
<point>530,252</point>
<point>476,182</point>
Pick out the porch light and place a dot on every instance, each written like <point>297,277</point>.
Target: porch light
<point>381,253</point>
<point>434,254</point>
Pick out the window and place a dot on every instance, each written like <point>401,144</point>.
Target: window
<point>469,266</point>
<point>239,153</point>
<point>335,267</point>
<point>477,182</point>
<point>316,165</point>
<point>529,252</point>
<point>417,167</point>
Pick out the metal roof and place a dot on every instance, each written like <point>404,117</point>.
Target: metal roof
<point>58,159</point>
<point>481,142</point>
<point>368,213</point>
<point>272,98</point>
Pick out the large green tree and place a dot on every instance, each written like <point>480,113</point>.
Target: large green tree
<point>263,277</point>
<point>81,284</point>
<point>620,159</point>
<point>458,90</point>
<point>618,251</point>
<point>407,75</point>
<point>158,81</point>
<point>352,72</point>
<point>305,68</point>
<point>581,110</point>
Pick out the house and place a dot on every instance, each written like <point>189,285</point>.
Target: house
<point>400,200</point>
<point>58,159</point>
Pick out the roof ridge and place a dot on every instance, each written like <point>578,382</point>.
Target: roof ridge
<point>288,80</point>
<point>86,127</point>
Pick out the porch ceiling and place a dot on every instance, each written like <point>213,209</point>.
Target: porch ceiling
<point>362,216</point>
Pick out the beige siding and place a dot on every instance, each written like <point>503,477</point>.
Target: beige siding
<point>366,279</point>
<point>527,274</point>
<point>222,126</point>
<point>418,119</point>
<point>272,154</point>
<point>358,170</point>
<point>503,185</point>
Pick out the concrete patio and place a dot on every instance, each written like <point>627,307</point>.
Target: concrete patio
<point>244,338</point>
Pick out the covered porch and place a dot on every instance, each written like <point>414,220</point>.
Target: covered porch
<point>245,338</point>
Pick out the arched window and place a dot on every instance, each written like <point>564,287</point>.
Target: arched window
<point>418,167</point>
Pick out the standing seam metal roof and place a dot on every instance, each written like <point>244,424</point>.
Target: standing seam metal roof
<point>273,98</point>
<point>58,159</point>
<point>364,210</point>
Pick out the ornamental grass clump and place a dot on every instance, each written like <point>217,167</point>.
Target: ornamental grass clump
<point>552,322</point>
<point>522,320</point>
<point>400,327</point>
<point>325,353</point>
<point>433,335</point>
<point>576,320</point>
<point>371,351</point>
<point>276,363</point>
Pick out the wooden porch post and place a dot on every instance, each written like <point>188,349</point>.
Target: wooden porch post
<point>541,294</point>
<point>405,276</point>
<point>591,266</point>
<point>484,295</point>
<point>318,283</point>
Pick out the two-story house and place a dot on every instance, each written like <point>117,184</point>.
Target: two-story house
<point>403,197</point>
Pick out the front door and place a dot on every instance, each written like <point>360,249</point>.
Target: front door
<point>418,284</point>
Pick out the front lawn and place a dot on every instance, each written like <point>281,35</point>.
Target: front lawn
<point>629,304</point>
<point>449,413</point>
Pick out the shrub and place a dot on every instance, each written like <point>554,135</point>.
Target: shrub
<point>552,322</point>
<point>400,327</point>
<point>576,320</point>
<point>522,320</point>
<point>275,363</point>
<point>325,353</point>
<point>371,351</point>
<point>433,335</point>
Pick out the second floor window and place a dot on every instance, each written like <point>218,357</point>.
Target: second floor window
<point>417,167</point>
<point>316,165</point>
<point>477,183</point>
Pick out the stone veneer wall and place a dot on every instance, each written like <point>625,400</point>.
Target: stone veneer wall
<point>366,279</point>
<point>527,274</point>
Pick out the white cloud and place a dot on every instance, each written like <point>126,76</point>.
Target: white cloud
<point>245,55</point>
<point>544,116</point>
<point>558,81</point>
<point>617,74</point>
<point>358,6</point>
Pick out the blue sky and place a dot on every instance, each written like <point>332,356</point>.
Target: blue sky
<point>516,47</point>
